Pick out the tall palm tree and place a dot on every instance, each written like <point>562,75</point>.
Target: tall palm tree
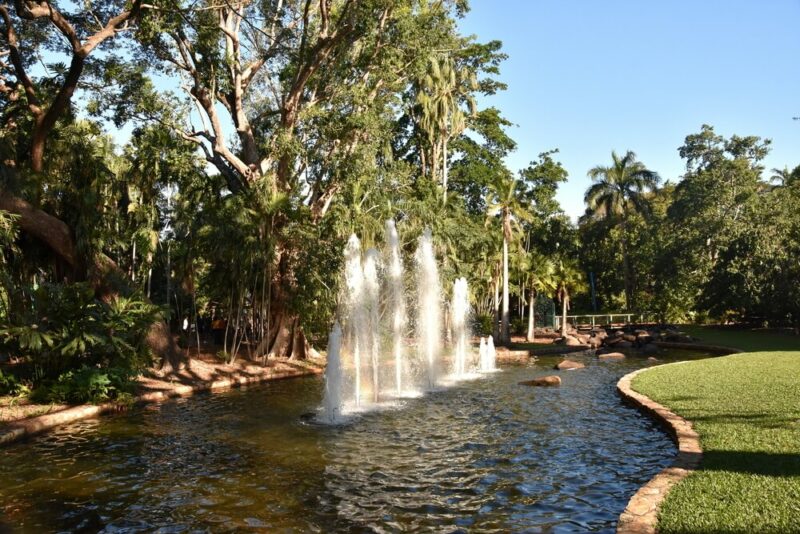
<point>618,191</point>
<point>505,203</point>
<point>542,280</point>
<point>442,90</point>
<point>785,176</point>
<point>569,281</point>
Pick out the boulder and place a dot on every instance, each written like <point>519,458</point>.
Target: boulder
<point>594,342</point>
<point>583,338</point>
<point>543,381</point>
<point>629,337</point>
<point>568,365</point>
<point>611,356</point>
<point>572,341</point>
<point>651,359</point>
<point>624,345</point>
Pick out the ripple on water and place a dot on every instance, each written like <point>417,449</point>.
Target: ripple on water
<point>486,455</point>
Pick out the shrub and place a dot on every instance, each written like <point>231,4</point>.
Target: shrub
<point>483,324</point>
<point>10,385</point>
<point>88,384</point>
<point>76,346</point>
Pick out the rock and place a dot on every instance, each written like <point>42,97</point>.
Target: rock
<point>651,359</point>
<point>572,341</point>
<point>543,381</point>
<point>594,342</point>
<point>611,356</point>
<point>628,337</point>
<point>583,338</point>
<point>641,332</point>
<point>624,345</point>
<point>568,365</point>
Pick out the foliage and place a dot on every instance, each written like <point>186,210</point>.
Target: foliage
<point>11,385</point>
<point>88,385</point>
<point>65,327</point>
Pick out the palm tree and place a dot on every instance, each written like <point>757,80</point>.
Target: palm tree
<point>505,202</point>
<point>784,176</point>
<point>541,271</point>
<point>569,281</point>
<point>441,92</point>
<point>618,191</point>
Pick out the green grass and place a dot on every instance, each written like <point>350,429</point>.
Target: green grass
<point>746,408</point>
<point>745,339</point>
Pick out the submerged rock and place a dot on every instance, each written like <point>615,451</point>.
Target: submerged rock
<point>567,365</point>
<point>611,356</point>
<point>543,381</point>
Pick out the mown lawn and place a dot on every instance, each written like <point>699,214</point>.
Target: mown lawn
<point>747,340</point>
<point>746,408</point>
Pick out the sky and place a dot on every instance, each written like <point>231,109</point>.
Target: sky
<point>588,77</point>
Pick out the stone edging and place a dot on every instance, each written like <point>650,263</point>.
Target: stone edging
<point>27,427</point>
<point>641,513</point>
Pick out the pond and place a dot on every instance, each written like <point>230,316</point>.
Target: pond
<point>487,455</point>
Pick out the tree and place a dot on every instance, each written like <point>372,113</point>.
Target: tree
<point>507,206</point>
<point>569,281</point>
<point>620,189</point>
<point>441,91</point>
<point>541,271</point>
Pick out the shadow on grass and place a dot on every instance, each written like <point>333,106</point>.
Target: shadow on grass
<point>752,463</point>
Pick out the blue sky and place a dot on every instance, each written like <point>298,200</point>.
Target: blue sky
<point>587,77</point>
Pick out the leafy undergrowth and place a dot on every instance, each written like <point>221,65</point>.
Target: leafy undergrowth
<point>746,408</point>
<point>745,339</point>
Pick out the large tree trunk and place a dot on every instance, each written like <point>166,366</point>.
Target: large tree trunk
<point>531,311</point>
<point>105,276</point>
<point>505,338</point>
<point>285,338</point>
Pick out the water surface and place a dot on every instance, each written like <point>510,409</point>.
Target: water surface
<point>485,455</point>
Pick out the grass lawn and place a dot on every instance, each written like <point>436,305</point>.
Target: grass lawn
<point>746,408</point>
<point>747,340</point>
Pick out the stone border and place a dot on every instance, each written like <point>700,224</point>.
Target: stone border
<point>35,425</point>
<point>641,514</point>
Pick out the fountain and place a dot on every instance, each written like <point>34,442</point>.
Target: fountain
<point>488,361</point>
<point>372,328</point>
<point>355,312</point>
<point>333,377</point>
<point>396,302</point>
<point>356,362</point>
<point>429,313</point>
<point>460,314</point>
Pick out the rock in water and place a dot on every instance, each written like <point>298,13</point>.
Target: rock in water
<point>611,356</point>
<point>568,365</point>
<point>543,381</point>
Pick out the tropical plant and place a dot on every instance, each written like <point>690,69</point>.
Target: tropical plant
<point>441,91</point>
<point>619,190</point>
<point>542,281</point>
<point>569,282</point>
<point>507,207</point>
